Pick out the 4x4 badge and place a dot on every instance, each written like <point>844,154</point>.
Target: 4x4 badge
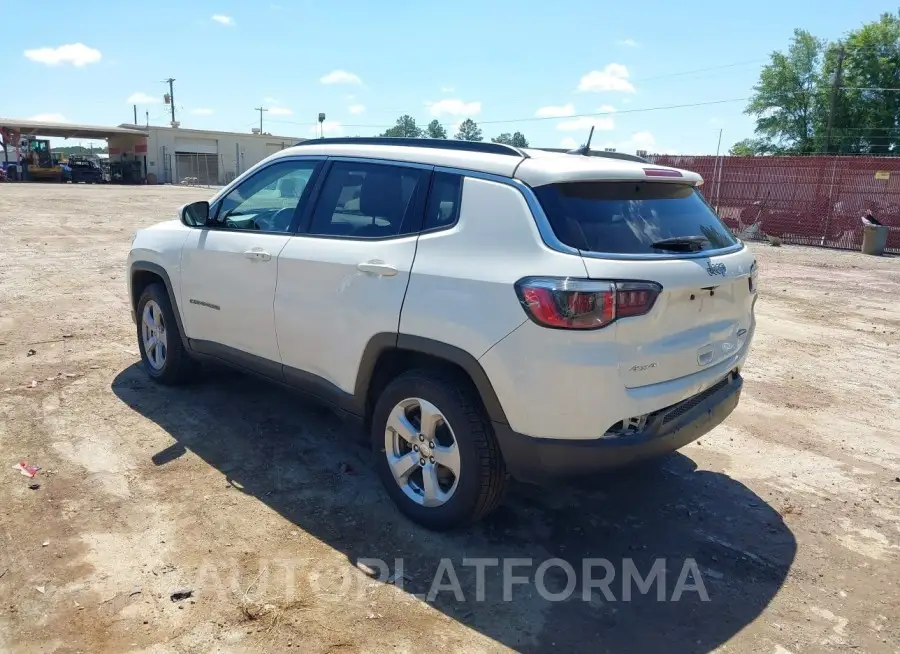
<point>715,268</point>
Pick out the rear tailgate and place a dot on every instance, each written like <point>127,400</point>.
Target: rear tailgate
<point>660,231</point>
<point>703,315</point>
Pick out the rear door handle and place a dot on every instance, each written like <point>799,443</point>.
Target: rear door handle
<point>377,267</point>
<point>258,255</point>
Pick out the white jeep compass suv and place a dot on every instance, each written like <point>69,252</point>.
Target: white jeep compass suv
<point>486,311</point>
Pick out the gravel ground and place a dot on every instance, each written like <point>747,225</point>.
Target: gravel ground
<point>263,506</point>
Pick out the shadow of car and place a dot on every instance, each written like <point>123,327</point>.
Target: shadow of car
<point>291,457</point>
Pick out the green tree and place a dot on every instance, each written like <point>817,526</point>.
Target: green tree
<point>787,100</point>
<point>867,108</point>
<point>517,139</point>
<point>751,147</point>
<point>469,131</point>
<point>435,130</point>
<point>405,128</point>
<point>802,105</point>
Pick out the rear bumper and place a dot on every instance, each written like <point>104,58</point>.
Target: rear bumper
<point>540,459</point>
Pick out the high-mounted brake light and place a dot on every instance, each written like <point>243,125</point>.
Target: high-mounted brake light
<point>662,172</point>
<point>566,303</point>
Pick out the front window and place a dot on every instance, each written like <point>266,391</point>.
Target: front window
<point>268,200</point>
<point>631,217</point>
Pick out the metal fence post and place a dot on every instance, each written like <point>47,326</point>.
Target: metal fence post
<point>719,184</point>
<point>830,200</point>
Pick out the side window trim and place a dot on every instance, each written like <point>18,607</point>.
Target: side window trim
<point>416,220</point>
<point>458,208</point>
<point>315,176</point>
<point>302,220</point>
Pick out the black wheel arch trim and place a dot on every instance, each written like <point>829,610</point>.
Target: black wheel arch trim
<point>379,343</point>
<point>159,271</point>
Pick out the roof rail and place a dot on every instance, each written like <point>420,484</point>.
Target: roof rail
<point>439,144</point>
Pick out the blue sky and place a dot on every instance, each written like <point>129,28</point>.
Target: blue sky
<point>363,63</point>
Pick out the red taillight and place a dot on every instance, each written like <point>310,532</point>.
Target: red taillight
<point>566,303</point>
<point>662,172</point>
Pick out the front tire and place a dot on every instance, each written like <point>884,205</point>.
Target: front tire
<point>436,452</point>
<point>159,339</point>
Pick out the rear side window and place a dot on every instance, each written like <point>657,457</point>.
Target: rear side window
<point>629,217</point>
<point>363,200</point>
<point>443,202</point>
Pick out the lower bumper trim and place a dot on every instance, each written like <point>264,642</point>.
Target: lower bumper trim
<point>540,459</point>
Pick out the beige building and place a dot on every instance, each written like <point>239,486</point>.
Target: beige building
<point>175,154</point>
<point>159,155</point>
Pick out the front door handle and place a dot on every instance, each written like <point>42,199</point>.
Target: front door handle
<point>258,254</point>
<point>377,267</point>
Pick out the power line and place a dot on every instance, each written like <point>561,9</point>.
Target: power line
<point>544,118</point>
<point>698,70</point>
<point>639,79</point>
<point>613,113</point>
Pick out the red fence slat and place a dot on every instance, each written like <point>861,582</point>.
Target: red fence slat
<point>814,200</point>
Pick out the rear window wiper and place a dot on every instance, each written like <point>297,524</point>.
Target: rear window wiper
<point>681,243</point>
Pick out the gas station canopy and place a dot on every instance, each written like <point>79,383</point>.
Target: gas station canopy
<point>68,130</point>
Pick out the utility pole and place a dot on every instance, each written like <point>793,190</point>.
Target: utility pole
<point>835,90</point>
<point>147,117</point>
<point>135,114</point>
<point>171,81</point>
<point>260,110</point>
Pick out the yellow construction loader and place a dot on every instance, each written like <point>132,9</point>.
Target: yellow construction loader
<point>40,162</point>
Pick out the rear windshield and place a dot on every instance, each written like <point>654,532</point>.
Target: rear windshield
<point>629,217</point>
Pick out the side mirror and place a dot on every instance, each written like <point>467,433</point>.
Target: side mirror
<point>195,214</point>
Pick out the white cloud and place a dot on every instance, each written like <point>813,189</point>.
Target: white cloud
<point>614,77</point>
<point>569,143</point>
<point>606,108</point>
<point>270,100</point>
<point>643,139</point>
<point>77,54</point>
<point>447,89</point>
<point>454,107</point>
<point>49,118</point>
<point>222,19</point>
<point>584,124</point>
<point>559,111</point>
<point>200,111</point>
<point>628,43</point>
<point>340,77</point>
<point>357,108</point>
<point>281,111</point>
<point>329,128</point>
<point>142,98</point>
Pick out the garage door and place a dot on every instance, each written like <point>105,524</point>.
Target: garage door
<point>207,146</point>
<point>272,148</point>
<point>205,167</point>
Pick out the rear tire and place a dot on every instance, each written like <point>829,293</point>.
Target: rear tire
<point>451,498</point>
<point>159,339</point>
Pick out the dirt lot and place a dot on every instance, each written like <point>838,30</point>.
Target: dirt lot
<point>263,505</point>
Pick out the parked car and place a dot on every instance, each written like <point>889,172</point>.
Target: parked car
<point>82,169</point>
<point>486,311</point>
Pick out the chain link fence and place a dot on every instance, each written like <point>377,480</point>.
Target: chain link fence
<point>806,200</point>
